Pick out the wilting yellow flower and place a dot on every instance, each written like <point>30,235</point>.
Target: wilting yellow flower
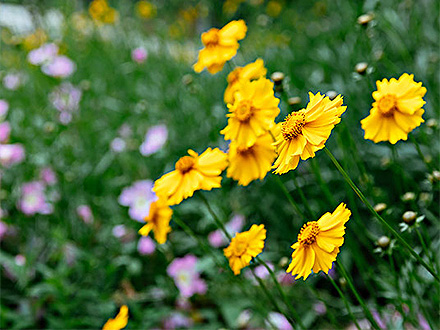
<point>251,163</point>
<point>305,131</point>
<point>220,46</point>
<point>253,112</point>
<point>244,246</point>
<point>192,173</point>
<point>145,9</point>
<point>318,243</point>
<point>251,71</point>
<point>397,110</point>
<point>158,221</point>
<point>119,322</point>
<point>100,11</point>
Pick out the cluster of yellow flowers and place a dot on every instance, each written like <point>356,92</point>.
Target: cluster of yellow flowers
<point>101,12</point>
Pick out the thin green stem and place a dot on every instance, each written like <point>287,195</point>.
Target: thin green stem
<point>281,292</point>
<point>358,297</point>
<point>344,299</point>
<point>419,151</point>
<point>381,220</point>
<point>217,220</point>
<point>322,184</point>
<point>289,197</point>
<point>424,247</point>
<point>302,196</point>
<point>396,283</point>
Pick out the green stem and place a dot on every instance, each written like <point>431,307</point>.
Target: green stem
<point>358,297</point>
<point>424,247</point>
<point>322,184</point>
<point>302,196</point>
<point>347,304</point>
<point>381,220</point>
<point>289,197</point>
<point>396,284</point>
<point>218,222</point>
<point>419,151</point>
<point>281,292</point>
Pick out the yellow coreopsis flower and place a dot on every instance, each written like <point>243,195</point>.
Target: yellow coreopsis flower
<point>158,221</point>
<point>250,163</point>
<point>119,322</point>
<point>397,110</point>
<point>220,46</point>
<point>192,173</point>
<point>305,131</point>
<point>318,243</point>
<point>251,71</point>
<point>253,112</point>
<point>244,246</point>
<point>101,12</point>
<point>145,9</point>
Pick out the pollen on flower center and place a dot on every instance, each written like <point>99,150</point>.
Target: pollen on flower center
<point>293,125</point>
<point>308,233</point>
<point>244,111</point>
<point>244,151</point>
<point>184,164</point>
<point>387,105</point>
<point>240,247</point>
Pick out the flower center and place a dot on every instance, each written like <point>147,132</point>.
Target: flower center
<point>387,105</point>
<point>293,125</point>
<point>244,111</point>
<point>184,164</point>
<point>244,151</point>
<point>308,233</point>
<point>211,38</point>
<point>240,247</point>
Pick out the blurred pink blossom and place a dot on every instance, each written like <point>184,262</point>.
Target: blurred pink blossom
<point>177,321</point>
<point>5,131</point>
<point>259,271</point>
<point>33,199</point>
<point>138,198</point>
<point>4,107</point>
<point>320,308</point>
<point>12,81</point>
<point>11,154</point>
<point>285,278</point>
<point>48,176</point>
<point>119,231</point>
<point>154,140</point>
<point>20,260</point>
<point>424,325</point>
<point>3,230</point>
<point>139,55</point>
<point>43,54</point>
<point>146,245</point>
<point>186,277</point>
<point>118,145</point>
<point>59,67</point>
<point>85,213</point>
<point>218,239</point>
<point>65,98</point>
<point>278,321</point>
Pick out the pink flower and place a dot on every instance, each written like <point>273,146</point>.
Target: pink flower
<point>285,278</point>
<point>65,98</point>
<point>59,67</point>
<point>138,198</point>
<point>11,154</point>
<point>48,176</point>
<point>177,320</point>
<point>20,260</point>
<point>320,308</point>
<point>4,107</point>
<point>33,199</point>
<point>424,325</point>
<point>5,130</point>
<point>218,239</point>
<point>260,271</point>
<point>43,54</point>
<point>85,213</point>
<point>278,321</point>
<point>119,231</point>
<point>3,230</point>
<point>186,277</point>
<point>118,145</point>
<point>139,55</point>
<point>12,81</point>
<point>146,245</point>
<point>154,140</point>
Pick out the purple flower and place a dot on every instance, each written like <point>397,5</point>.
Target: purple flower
<point>138,198</point>
<point>119,231</point>
<point>59,67</point>
<point>70,253</point>
<point>125,130</point>
<point>4,107</point>
<point>218,239</point>
<point>154,140</point>
<point>424,325</point>
<point>12,81</point>
<point>11,154</point>
<point>33,199</point>
<point>20,260</point>
<point>3,230</point>
<point>65,98</point>
<point>186,277</point>
<point>320,308</point>
<point>146,245</point>
<point>5,130</point>
<point>139,55</point>
<point>43,54</point>
<point>381,323</point>
<point>177,320</point>
<point>277,321</point>
<point>285,278</point>
<point>118,145</point>
<point>48,176</point>
<point>85,213</point>
<point>260,271</point>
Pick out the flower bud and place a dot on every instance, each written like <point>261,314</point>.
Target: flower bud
<point>432,123</point>
<point>277,77</point>
<point>436,175</point>
<point>361,67</point>
<point>380,207</point>
<point>294,100</point>
<point>409,217</point>
<point>284,261</point>
<point>383,242</point>
<point>331,95</point>
<point>365,19</point>
<point>409,196</point>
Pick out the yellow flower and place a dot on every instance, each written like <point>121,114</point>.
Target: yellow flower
<point>318,243</point>
<point>158,220</point>
<point>100,11</point>
<point>251,71</point>
<point>119,322</point>
<point>220,46</point>
<point>305,131</point>
<point>244,246</point>
<point>145,9</point>
<point>253,112</point>
<point>397,110</point>
<point>247,164</point>
<point>35,40</point>
<point>192,173</point>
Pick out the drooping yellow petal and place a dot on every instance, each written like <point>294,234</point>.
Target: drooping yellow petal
<point>119,322</point>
